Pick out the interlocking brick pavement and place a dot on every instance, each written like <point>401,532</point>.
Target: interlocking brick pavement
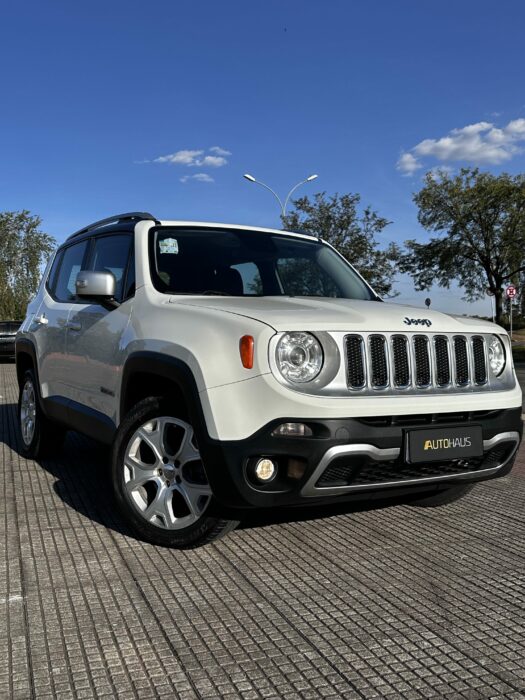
<point>390,603</point>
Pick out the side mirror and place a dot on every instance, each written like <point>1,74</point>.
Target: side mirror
<point>96,285</point>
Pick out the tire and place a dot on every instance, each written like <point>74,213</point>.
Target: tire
<point>39,437</point>
<point>443,498</point>
<point>159,481</point>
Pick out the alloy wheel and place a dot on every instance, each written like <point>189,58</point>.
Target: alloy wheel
<point>163,474</point>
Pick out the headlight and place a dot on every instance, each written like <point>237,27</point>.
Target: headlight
<point>496,355</point>
<point>299,357</point>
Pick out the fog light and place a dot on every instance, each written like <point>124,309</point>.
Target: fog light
<point>265,469</point>
<point>292,430</point>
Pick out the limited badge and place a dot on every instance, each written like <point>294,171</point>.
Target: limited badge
<point>169,246</point>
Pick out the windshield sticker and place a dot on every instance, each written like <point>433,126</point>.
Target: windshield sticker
<point>169,246</point>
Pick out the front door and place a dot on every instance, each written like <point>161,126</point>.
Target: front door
<point>94,353</point>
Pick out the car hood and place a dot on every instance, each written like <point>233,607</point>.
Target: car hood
<point>309,314</point>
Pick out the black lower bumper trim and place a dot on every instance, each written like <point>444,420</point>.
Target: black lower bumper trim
<point>298,458</point>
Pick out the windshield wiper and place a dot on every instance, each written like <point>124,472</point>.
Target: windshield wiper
<point>215,292</point>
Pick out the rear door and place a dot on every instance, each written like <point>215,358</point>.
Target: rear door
<point>48,326</point>
<point>94,334</point>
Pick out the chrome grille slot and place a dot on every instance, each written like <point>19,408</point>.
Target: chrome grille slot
<point>421,353</point>
<point>461,357</point>
<point>401,360</point>
<point>480,365</point>
<point>355,361</point>
<point>378,361</point>
<point>442,360</point>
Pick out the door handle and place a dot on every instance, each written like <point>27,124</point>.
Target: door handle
<point>72,326</point>
<point>41,320</point>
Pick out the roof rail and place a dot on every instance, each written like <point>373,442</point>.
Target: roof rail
<point>302,231</point>
<point>117,219</point>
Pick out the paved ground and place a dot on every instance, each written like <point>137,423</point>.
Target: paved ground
<point>394,603</point>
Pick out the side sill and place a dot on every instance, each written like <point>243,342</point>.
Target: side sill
<point>76,416</point>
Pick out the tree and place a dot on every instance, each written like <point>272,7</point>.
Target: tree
<point>479,219</point>
<point>336,219</point>
<point>24,248</point>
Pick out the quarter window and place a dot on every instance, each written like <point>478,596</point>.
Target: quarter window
<point>72,258</point>
<point>52,277</point>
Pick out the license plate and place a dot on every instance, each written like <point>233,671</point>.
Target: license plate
<point>437,444</point>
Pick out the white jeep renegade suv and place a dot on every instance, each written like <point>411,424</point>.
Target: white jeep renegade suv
<point>233,367</point>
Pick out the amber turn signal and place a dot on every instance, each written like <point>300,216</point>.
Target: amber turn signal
<point>246,349</point>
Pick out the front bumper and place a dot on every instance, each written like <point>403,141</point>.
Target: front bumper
<point>354,459</point>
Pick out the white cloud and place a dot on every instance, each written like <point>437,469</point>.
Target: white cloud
<point>180,157</point>
<point>407,164</point>
<point>199,177</point>
<point>219,151</point>
<point>479,144</point>
<point>194,158</point>
<point>210,162</point>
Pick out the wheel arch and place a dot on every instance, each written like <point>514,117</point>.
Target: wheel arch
<point>26,358</point>
<point>147,373</point>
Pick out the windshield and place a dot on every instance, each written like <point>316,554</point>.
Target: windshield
<point>249,263</point>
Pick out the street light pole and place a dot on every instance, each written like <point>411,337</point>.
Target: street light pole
<point>282,206</point>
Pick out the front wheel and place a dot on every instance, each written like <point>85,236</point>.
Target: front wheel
<point>159,480</point>
<point>443,498</point>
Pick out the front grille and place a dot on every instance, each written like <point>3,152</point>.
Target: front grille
<point>378,361</point>
<point>355,361</point>
<point>401,364</point>
<point>359,470</point>
<point>442,362</point>
<point>478,351</point>
<point>422,360</point>
<point>461,356</point>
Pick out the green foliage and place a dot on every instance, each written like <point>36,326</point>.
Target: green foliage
<point>336,219</point>
<point>23,251</point>
<point>479,219</point>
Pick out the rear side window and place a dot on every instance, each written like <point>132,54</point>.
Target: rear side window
<point>111,254</point>
<point>72,257</point>
<point>52,277</point>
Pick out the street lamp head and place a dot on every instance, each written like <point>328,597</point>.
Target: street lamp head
<point>309,178</point>
<point>249,177</point>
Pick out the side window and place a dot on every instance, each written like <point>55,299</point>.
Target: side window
<point>52,277</point>
<point>72,257</point>
<point>110,254</point>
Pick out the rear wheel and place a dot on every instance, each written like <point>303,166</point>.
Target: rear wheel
<point>159,479</point>
<point>443,498</point>
<point>40,437</point>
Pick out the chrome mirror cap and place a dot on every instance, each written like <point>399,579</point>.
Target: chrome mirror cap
<point>96,284</point>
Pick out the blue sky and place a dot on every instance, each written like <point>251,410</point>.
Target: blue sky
<point>93,93</point>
